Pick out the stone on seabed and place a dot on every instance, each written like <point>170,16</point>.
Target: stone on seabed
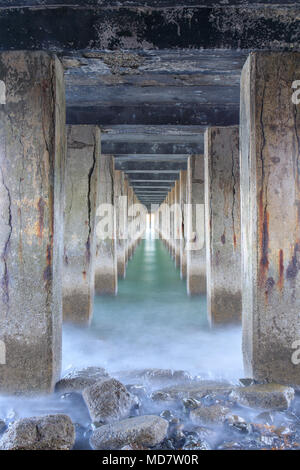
<point>108,400</point>
<point>268,396</point>
<point>78,380</point>
<point>143,431</point>
<point>195,390</point>
<point>51,432</point>
<point>215,414</point>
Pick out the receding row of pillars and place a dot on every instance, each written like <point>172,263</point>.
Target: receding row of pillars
<point>98,241</point>
<point>231,222</point>
<point>57,192</point>
<point>42,263</point>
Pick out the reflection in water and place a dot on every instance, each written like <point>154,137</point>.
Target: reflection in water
<point>153,323</point>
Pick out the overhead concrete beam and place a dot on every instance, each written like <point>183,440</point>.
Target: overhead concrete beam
<point>154,184</point>
<point>32,162</point>
<point>127,148</point>
<point>155,114</point>
<point>223,225</point>
<point>270,195</point>
<point>151,157</point>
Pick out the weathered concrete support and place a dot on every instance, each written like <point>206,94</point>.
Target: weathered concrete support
<point>177,223</point>
<point>172,223</point>
<point>270,195</point>
<point>32,161</point>
<point>166,221</point>
<point>222,203</point>
<point>196,255</point>
<point>126,241</point>
<point>183,202</point>
<point>81,198</point>
<point>121,220</point>
<point>106,271</point>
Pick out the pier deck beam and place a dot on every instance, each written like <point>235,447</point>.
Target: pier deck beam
<point>222,203</point>
<point>196,256</point>
<point>106,271</point>
<point>32,161</point>
<point>81,197</point>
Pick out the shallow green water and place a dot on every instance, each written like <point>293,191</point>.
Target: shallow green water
<point>153,323</point>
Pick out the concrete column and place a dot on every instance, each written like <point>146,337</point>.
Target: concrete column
<point>270,195</point>
<point>223,247</point>
<point>106,271</point>
<point>126,186</point>
<point>32,164</point>
<point>196,255</point>
<point>172,223</point>
<point>81,197</point>
<point>135,234</point>
<point>183,202</point>
<point>177,223</point>
<point>121,219</point>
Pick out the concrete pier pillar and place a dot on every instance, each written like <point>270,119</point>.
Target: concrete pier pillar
<point>120,199</point>
<point>81,198</point>
<point>222,203</point>
<point>126,241</point>
<point>32,163</point>
<point>130,234</point>
<point>106,271</point>
<point>165,221</point>
<point>183,202</point>
<point>196,255</point>
<point>270,195</point>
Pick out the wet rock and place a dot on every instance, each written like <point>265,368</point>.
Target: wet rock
<point>138,390</point>
<point>52,432</point>
<point>206,434</point>
<point>155,376</point>
<point>144,431</point>
<point>231,445</point>
<point>265,417</point>
<point>83,435</point>
<point>238,423</point>
<point>247,382</point>
<point>193,443</point>
<point>108,401</point>
<point>215,414</point>
<point>194,390</point>
<point>267,396</point>
<point>176,430</point>
<point>78,380</point>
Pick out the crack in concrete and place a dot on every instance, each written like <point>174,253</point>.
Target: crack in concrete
<point>233,195</point>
